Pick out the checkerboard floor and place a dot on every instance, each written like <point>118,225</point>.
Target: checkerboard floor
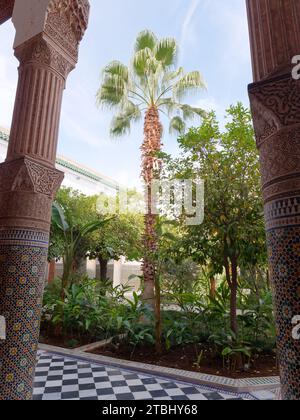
<point>61,378</point>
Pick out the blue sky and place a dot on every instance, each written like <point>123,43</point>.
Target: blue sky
<point>213,38</point>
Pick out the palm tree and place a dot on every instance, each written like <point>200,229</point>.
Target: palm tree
<point>149,86</point>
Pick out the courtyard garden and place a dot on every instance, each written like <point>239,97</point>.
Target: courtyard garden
<point>208,307</point>
<point>165,267</point>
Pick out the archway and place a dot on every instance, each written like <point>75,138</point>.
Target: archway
<point>47,51</point>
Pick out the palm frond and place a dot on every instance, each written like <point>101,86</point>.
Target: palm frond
<point>145,39</point>
<point>177,125</point>
<point>190,82</point>
<point>189,112</point>
<point>116,68</point>
<point>141,62</point>
<point>59,218</point>
<point>87,229</point>
<point>166,51</point>
<point>172,75</point>
<point>168,104</point>
<point>149,81</point>
<point>121,123</point>
<point>112,91</point>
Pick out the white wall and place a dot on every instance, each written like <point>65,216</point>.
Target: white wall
<point>3,150</point>
<point>77,181</point>
<point>86,185</point>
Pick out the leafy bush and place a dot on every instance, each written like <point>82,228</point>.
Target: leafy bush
<point>257,321</point>
<point>98,310</point>
<point>206,319</point>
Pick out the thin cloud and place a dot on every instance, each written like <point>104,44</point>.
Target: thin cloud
<point>208,104</point>
<point>186,26</point>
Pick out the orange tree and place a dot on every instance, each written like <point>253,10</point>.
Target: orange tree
<point>232,235</point>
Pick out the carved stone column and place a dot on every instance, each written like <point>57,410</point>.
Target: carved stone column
<point>275,100</point>
<point>29,180</point>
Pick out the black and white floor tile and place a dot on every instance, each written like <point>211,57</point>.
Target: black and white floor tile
<point>61,378</point>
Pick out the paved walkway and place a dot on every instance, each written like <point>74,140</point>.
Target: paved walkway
<point>63,378</point>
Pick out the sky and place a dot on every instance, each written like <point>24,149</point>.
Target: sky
<point>212,36</point>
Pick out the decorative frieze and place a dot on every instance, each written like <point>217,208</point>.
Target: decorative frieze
<point>38,51</point>
<point>66,23</point>
<point>27,189</point>
<point>275,105</point>
<point>276,113</point>
<point>26,175</point>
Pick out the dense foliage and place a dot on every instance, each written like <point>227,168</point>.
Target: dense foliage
<point>232,235</point>
<point>100,311</point>
<point>212,283</point>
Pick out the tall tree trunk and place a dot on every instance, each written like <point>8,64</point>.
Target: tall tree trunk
<point>233,297</point>
<point>51,271</point>
<point>232,280</point>
<point>150,170</point>
<point>158,320</point>
<point>80,266</point>
<point>103,268</point>
<point>213,287</point>
<point>68,269</point>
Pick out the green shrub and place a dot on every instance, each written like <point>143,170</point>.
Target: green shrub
<point>97,309</point>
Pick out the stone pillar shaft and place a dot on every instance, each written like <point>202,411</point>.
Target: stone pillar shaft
<point>39,89</point>
<point>275,102</point>
<point>29,181</point>
<point>274,34</point>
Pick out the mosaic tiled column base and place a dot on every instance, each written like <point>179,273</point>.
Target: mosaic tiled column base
<point>23,257</point>
<point>276,112</point>
<point>284,255</point>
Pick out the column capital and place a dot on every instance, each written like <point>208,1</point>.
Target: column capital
<point>52,36</point>
<point>275,105</point>
<point>39,51</point>
<point>28,175</point>
<point>27,188</point>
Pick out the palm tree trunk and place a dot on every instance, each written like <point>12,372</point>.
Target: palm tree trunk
<point>150,171</point>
